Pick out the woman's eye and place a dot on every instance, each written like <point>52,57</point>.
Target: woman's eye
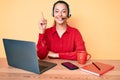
<point>56,11</point>
<point>64,11</point>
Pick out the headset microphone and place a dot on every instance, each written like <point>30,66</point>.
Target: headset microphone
<point>63,18</point>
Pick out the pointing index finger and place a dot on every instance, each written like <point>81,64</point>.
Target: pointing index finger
<point>42,15</point>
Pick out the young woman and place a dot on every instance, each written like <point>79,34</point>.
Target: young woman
<point>61,40</point>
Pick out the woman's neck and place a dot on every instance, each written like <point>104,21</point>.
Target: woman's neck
<point>61,26</point>
<point>61,29</point>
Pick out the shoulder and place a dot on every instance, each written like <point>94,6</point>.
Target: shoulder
<point>75,32</point>
<point>50,29</point>
<point>73,29</point>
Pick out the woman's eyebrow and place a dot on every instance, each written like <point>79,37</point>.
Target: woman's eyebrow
<point>62,9</point>
<point>56,9</point>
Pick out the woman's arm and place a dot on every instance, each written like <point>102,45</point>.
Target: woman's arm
<point>42,49</point>
<point>79,46</point>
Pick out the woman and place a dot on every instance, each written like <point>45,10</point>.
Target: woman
<point>61,40</point>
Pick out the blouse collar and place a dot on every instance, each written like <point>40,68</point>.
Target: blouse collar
<point>54,29</point>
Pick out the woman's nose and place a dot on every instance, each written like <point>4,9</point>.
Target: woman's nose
<point>60,14</point>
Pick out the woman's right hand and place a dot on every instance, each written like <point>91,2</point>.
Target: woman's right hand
<point>42,24</point>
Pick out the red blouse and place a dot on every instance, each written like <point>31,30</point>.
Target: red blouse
<point>70,42</point>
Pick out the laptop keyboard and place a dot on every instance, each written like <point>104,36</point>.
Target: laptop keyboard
<point>42,67</point>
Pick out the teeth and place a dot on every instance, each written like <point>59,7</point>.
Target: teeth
<point>60,19</point>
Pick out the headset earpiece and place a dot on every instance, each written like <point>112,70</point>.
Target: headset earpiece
<point>69,15</point>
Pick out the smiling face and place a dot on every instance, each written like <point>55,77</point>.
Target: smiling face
<point>60,13</point>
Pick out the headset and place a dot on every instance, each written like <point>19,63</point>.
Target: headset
<point>60,1</point>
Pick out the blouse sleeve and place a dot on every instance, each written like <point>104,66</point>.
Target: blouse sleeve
<point>42,50</point>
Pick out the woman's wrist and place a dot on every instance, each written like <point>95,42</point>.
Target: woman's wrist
<point>42,31</point>
<point>53,55</point>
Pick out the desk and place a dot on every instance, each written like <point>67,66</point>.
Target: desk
<point>58,72</point>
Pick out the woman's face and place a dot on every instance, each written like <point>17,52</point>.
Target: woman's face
<point>60,13</point>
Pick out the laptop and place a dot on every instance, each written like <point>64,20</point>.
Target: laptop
<point>23,55</point>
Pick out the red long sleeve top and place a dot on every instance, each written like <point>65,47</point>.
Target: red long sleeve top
<point>70,42</point>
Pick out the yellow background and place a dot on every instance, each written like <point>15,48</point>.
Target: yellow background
<point>97,20</point>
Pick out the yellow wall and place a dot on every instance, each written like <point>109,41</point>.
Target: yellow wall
<point>97,20</point>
